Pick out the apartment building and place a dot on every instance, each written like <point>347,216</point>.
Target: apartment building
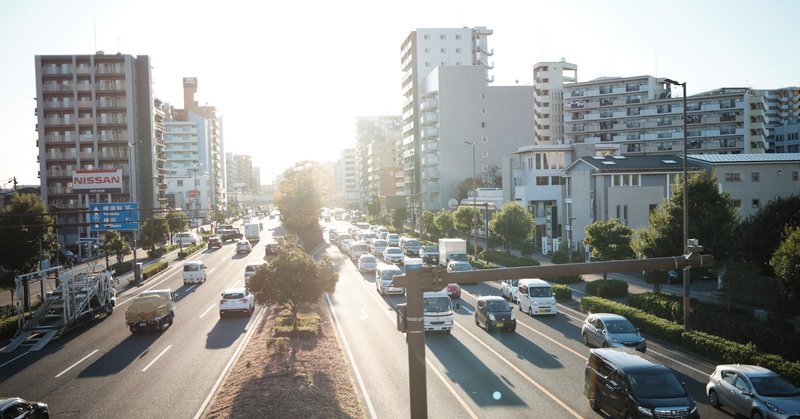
<point>643,117</point>
<point>378,155</point>
<point>783,119</point>
<point>100,136</point>
<point>188,177</point>
<point>549,79</point>
<point>348,183</point>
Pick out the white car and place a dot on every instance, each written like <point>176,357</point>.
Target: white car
<point>393,254</point>
<point>509,289</point>
<point>243,246</point>
<point>194,272</point>
<point>236,300</point>
<point>186,238</point>
<point>367,263</point>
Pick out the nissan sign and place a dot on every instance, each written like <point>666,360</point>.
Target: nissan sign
<point>96,179</point>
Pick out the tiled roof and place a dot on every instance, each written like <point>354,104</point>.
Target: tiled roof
<point>746,158</point>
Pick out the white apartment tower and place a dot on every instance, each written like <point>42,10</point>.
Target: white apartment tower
<point>549,79</point>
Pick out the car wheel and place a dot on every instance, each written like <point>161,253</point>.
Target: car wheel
<point>585,339</point>
<point>713,398</point>
<point>477,322</point>
<point>594,402</point>
<point>756,415</point>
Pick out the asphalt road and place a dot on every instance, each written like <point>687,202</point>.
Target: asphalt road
<point>538,371</point>
<point>105,371</point>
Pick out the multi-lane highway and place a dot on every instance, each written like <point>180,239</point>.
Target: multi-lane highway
<point>105,371</point>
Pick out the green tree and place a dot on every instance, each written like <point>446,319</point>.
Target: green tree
<point>114,244</point>
<point>27,233</point>
<point>762,232</point>
<point>398,217</point>
<point>465,218</point>
<point>152,232</point>
<point>293,279</point>
<point>218,216</point>
<point>712,220</point>
<point>738,275</point>
<point>428,223</point>
<point>444,222</point>
<point>786,263</point>
<point>177,221</point>
<point>512,224</point>
<point>609,240</point>
<point>299,201</point>
<point>466,186</point>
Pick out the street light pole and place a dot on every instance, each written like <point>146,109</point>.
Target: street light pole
<point>474,203</point>
<point>686,269</point>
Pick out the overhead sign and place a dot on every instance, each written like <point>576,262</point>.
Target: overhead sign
<point>117,216</point>
<point>97,179</point>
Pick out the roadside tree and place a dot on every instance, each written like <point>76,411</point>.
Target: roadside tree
<point>177,221</point>
<point>464,219</point>
<point>444,222</point>
<point>27,233</point>
<point>152,232</point>
<point>114,244</point>
<point>513,224</point>
<point>299,202</point>
<point>609,240</point>
<point>786,263</point>
<point>762,232</point>
<point>427,221</point>
<point>398,217</point>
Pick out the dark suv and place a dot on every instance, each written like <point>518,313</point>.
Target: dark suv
<point>626,383</point>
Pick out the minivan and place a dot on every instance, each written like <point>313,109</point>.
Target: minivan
<point>194,272</point>
<point>626,383</point>
<point>438,311</point>
<point>535,296</point>
<point>383,279</point>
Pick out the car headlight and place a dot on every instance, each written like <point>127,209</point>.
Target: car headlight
<point>773,407</point>
<point>491,316</point>
<point>512,317</point>
<point>645,411</point>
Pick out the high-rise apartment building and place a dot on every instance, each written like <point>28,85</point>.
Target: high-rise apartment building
<point>641,115</point>
<point>347,180</point>
<point>549,79</point>
<point>783,119</point>
<point>378,155</point>
<point>100,136</point>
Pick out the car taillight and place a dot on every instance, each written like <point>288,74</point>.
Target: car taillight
<point>243,300</point>
<point>222,301</point>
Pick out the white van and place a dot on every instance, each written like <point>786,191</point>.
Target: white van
<point>437,311</point>
<point>536,296</point>
<point>383,279</point>
<point>357,249</point>
<point>194,272</point>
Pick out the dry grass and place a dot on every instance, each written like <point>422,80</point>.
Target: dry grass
<point>300,375</point>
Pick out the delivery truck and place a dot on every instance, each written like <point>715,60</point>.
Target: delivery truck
<point>151,310</point>
<point>452,249</point>
<point>252,232</point>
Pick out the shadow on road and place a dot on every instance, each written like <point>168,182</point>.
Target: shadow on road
<point>135,346</point>
<point>226,331</point>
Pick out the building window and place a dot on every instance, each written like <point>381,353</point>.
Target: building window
<point>483,124</point>
<point>485,153</point>
<point>180,183</point>
<point>426,37</point>
<point>756,203</point>
<point>733,177</point>
<point>458,36</point>
<point>542,180</point>
<point>755,177</point>
<point>442,36</point>
<point>458,50</point>
<point>795,176</point>
<point>484,139</point>
<point>443,50</point>
<point>483,96</point>
<point>427,50</point>
<point>555,180</point>
<point>483,110</point>
<point>737,203</point>
<point>427,64</point>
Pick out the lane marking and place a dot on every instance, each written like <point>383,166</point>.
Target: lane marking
<point>76,364</point>
<point>156,358</point>
<point>207,310</point>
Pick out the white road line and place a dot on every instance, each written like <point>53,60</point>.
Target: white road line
<point>207,310</point>
<point>649,350</point>
<point>156,358</point>
<point>76,364</point>
<point>14,359</point>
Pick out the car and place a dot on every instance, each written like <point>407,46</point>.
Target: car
<point>250,270</point>
<point>377,246</point>
<point>673,276</point>
<point>609,330</point>
<point>367,263</point>
<point>459,266</point>
<point>384,275</point>
<point>629,384</point>
<point>508,289</point>
<point>236,300</point>
<point>194,272</point>
<point>753,391</point>
<point>243,246</point>
<point>535,297</point>
<point>345,245</point>
<point>214,241</point>
<point>493,312</point>
<point>332,235</point>
<point>429,254</point>
<point>15,407</point>
<point>356,249</point>
<point>393,254</point>
<point>393,239</point>
<point>411,247</point>
<point>453,291</point>
<point>186,238</point>
<point>65,256</point>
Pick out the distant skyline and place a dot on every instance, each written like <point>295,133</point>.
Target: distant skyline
<point>289,80</point>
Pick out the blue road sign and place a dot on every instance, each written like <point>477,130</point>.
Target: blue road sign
<point>118,216</point>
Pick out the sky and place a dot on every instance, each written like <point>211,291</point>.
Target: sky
<point>289,78</point>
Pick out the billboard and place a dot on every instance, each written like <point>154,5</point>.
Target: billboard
<point>117,216</point>
<point>97,179</point>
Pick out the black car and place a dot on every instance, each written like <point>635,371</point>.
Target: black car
<point>429,254</point>
<point>65,257</point>
<point>14,407</point>
<point>214,241</point>
<point>628,384</point>
<point>494,312</point>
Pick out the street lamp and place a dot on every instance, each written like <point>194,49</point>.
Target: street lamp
<point>686,269</point>
<point>474,202</point>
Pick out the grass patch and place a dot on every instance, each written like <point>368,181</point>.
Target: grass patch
<point>308,324</point>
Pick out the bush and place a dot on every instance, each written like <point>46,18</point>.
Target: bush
<point>506,259</point>
<point>8,327</point>
<point>647,323</point>
<point>607,288</point>
<point>562,292</point>
<point>153,269</point>
<point>481,264</point>
<point>574,279</point>
<point>527,247</point>
<point>122,268</point>
<point>560,257</point>
<point>657,305</point>
<point>156,253</point>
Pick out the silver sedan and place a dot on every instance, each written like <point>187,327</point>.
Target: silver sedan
<point>753,391</point>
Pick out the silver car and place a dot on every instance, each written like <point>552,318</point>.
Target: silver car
<point>509,289</point>
<point>606,330</point>
<point>753,391</point>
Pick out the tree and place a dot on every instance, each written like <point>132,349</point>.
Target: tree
<point>737,275</point>
<point>299,201</point>
<point>609,240</point>
<point>293,278</point>
<point>153,231</point>
<point>761,233</point>
<point>786,263</point>
<point>114,244</point>
<point>177,221</point>
<point>27,233</point>
<point>428,223</point>
<point>512,224</point>
<point>218,216</point>
<point>467,185</point>
<point>398,217</point>
<point>444,222</point>
<point>465,218</point>
<point>712,220</point>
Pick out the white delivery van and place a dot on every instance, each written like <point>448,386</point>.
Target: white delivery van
<point>437,311</point>
<point>535,296</point>
<point>383,279</point>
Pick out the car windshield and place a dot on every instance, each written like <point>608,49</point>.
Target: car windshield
<point>437,304</point>
<point>379,243</point>
<point>659,385</point>
<point>500,305</point>
<point>541,292</point>
<point>462,267</point>
<point>620,326</point>
<point>412,243</point>
<point>387,275</point>
<point>233,295</point>
<point>774,387</point>
<point>430,249</point>
<point>513,283</point>
<point>394,251</point>
<point>368,259</point>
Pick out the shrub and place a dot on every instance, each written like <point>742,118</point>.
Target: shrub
<point>559,257</point>
<point>657,305</point>
<point>527,247</point>
<point>153,269</point>
<point>647,323</point>
<point>562,292</point>
<point>122,268</point>
<point>506,259</point>
<point>607,288</point>
<point>8,327</point>
<point>573,279</point>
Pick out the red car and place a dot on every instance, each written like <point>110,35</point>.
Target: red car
<point>454,291</point>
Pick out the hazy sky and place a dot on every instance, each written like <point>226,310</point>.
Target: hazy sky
<point>290,77</point>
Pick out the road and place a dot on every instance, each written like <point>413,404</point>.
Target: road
<point>535,372</point>
<point>105,371</point>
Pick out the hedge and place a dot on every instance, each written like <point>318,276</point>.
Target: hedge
<point>121,268</point>
<point>188,250</point>
<point>506,259</point>
<point>574,279</point>
<point>8,327</point>
<point>607,288</point>
<point>562,292</point>
<point>153,269</point>
<point>646,322</point>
